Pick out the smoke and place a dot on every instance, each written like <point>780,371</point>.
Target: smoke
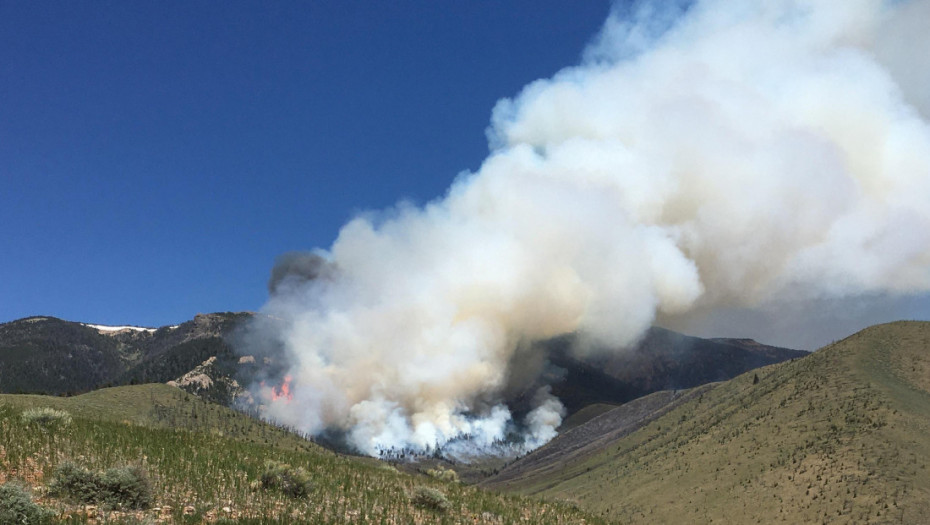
<point>293,269</point>
<point>704,157</point>
<point>542,421</point>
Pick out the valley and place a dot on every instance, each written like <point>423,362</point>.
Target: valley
<point>838,435</point>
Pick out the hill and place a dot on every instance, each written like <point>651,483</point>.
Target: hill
<point>206,464</point>
<point>661,360</point>
<point>597,382</point>
<point>838,436</point>
<point>45,355</point>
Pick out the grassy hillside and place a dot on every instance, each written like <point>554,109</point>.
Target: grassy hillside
<point>840,436</point>
<point>584,415</point>
<point>205,463</point>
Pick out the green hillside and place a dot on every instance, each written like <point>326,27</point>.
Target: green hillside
<point>205,464</point>
<point>840,436</point>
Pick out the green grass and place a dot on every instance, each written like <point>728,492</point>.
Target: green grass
<point>840,436</point>
<point>205,463</point>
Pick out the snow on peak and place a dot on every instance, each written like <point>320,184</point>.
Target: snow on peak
<point>113,329</point>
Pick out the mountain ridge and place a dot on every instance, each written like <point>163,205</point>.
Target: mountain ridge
<point>199,357</point>
<point>47,355</point>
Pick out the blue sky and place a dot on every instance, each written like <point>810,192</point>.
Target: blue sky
<point>155,157</point>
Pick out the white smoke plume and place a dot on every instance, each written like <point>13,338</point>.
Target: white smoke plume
<point>714,155</point>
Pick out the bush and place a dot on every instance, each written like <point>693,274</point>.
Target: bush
<point>444,474</point>
<point>430,498</point>
<point>127,487</point>
<point>46,416</point>
<point>17,507</point>
<point>120,487</point>
<point>75,482</point>
<point>294,482</point>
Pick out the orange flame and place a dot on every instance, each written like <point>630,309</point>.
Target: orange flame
<point>283,391</point>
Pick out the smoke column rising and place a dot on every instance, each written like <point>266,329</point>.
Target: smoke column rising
<point>712,156</point>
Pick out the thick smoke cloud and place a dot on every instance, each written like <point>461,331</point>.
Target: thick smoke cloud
<point>716,156</point>
<point>294,269</point>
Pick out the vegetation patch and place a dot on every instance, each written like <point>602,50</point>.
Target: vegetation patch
<point>294,482</point>
<point>120,487</point>
<point>430,498</point>
<point>16,506</point>
<point>46,417</point>
<point>444,474</point>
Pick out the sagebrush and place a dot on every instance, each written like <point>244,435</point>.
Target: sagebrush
<point>292,481</point>
<point>16,506</point>
<point>46,416</point>
<point>444,474</point>
<point>430,498</point>
<point>119,487</point>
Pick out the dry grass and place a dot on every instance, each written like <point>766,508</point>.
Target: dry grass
<point>836,437</point>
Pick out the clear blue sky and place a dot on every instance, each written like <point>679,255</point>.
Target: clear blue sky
<point>155,157</point>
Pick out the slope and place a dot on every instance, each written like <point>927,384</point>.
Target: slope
<point>49,355</point>
<point>581,375</point>
<point>839,436</point>
<point>45,355</point>
<point>205,463</point>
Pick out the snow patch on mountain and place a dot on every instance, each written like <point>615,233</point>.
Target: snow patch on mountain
<point>114,329</point>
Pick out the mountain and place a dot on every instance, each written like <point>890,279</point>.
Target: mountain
<point>46,355</point>
<point>661,360</point>
<point>837,436</point>
<point>52,356</point>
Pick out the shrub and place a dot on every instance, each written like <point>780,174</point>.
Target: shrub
<point>444,474</point>
<point>430,498</point>
<point>294,482</point>
<point>46,416</point>
<point>120,487</point>
<point>127,487</point>
<point>75,482</point>
<point>17,507</point>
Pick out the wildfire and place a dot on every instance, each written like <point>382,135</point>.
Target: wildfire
<point>283,391</point>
